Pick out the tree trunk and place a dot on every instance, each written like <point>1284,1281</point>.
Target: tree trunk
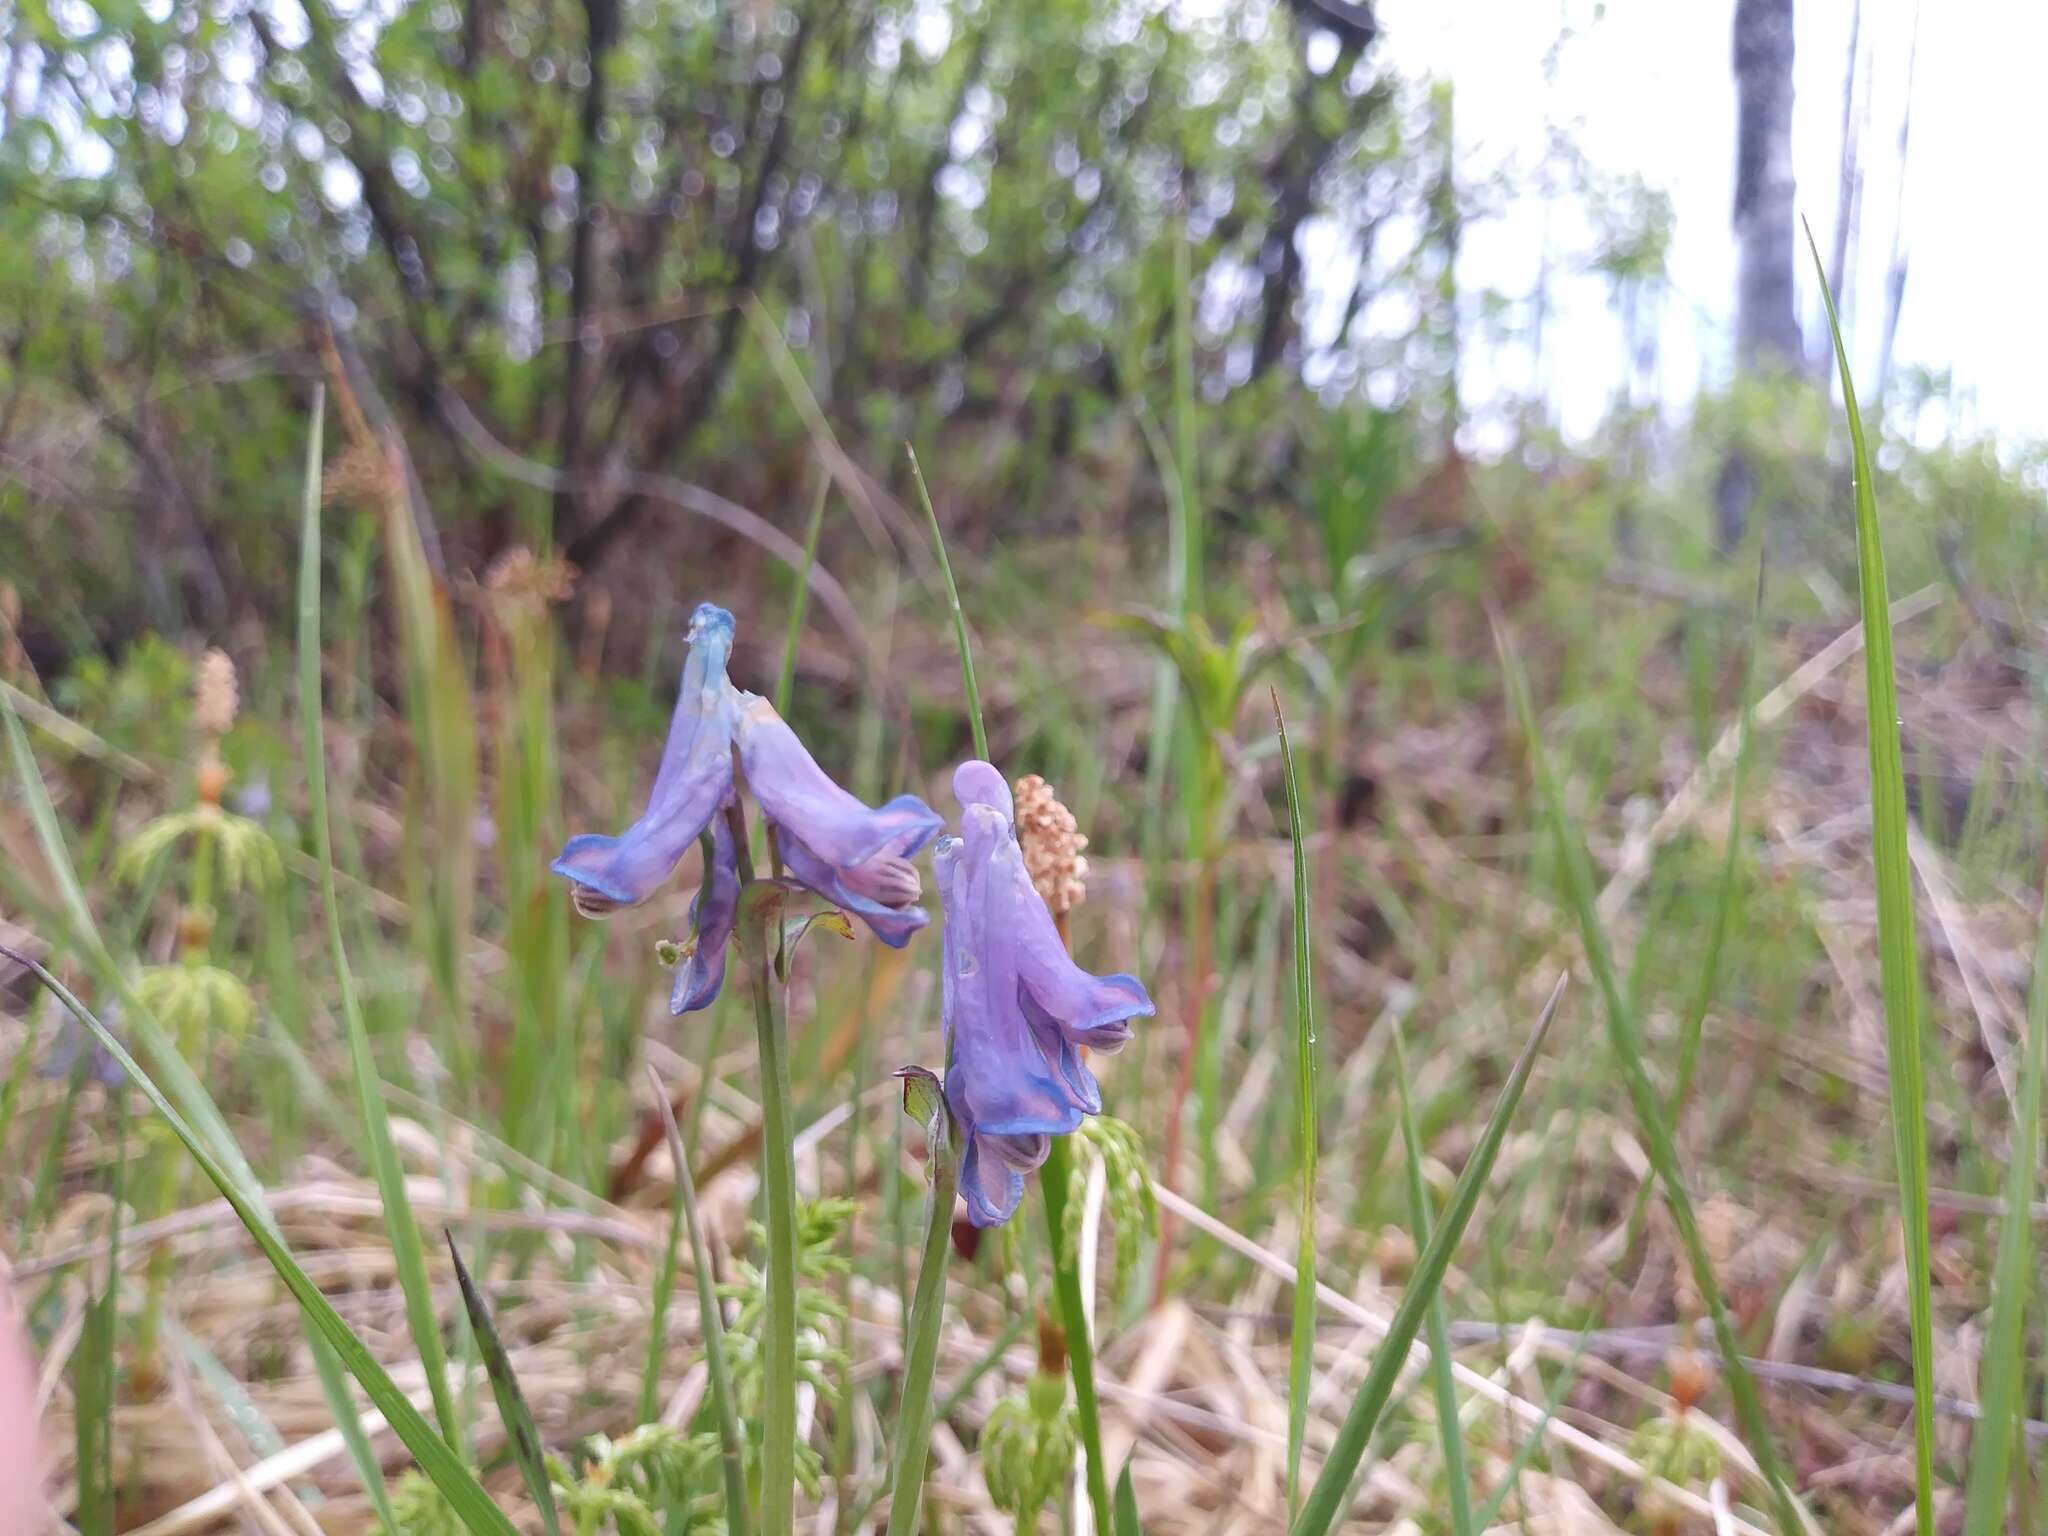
<point>1766,322</point>
<point>1895,270</point>
<point>1848,189</point>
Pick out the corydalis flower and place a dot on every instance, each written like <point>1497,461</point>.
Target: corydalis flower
<point>856,858</point>
<point>852,855</point>
<point>1017,1008</point>
<point>691,785</point>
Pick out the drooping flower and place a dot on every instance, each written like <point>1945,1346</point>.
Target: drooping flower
<point>854,856</point>
<point>857,858</point>
<point>1017,1009</point>
<point>701,971</point>
<point>691,785</point>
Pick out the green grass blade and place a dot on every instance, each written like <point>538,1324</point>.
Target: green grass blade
<point>1053,1175</point>
<point>2004,1363</point>
<point>1448,1427</point>
<point>1899,966</point>
<point>664,1292</point>
<point>1327,1498</point>
<point>931,518</point>
<point>1301,1359</point>
<point>512,1410</point>
<point>93,1365</point>
<point>1625,1039</point>
<point>1124,1512</point>
<point>406,1250</point>
<point>927,1308</point>
<point>464,1493</point>
<point>800,599</point>
<point>236,1405</point>
<point>1185,424</point>
<point>17,1073</point>
<point>1725,902</point>
<point>711,1321</point>
<point>182,1084</point>
<point>1726,896</point>
<point>1525,1453</point>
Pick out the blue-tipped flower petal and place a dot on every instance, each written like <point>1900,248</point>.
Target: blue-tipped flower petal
<point>693,781</point>
<point>701,971</point>
<point>855,856</point>
<point>1017,1009</point>
<point>992,1174</point>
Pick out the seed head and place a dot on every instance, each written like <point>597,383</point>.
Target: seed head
<point>1052,844</point>
<point>519,575</point>
<point>215,696</point>
<point>360,474</point>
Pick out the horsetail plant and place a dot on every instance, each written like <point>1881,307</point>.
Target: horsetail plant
<point>194,998</point>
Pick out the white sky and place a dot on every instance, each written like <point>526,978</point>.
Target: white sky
<point>1647,86</point>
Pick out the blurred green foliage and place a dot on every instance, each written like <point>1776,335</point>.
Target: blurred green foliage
<point>535,227</point>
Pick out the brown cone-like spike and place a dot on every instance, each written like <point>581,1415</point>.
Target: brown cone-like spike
<point>1052,844</point>
<point>215,696</point>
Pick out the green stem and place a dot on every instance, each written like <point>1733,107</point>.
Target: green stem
<point>710,1320</point>
<point>931,517</point>
<point>914,1421</point>
<point>1066,1284</point>
<point>1184,425</point>
<point>778,1180</point>
<point>200,899</point>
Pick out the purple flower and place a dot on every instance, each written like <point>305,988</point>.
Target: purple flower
<point>701,972</point>
<point>693,781</point>
<point>1017,1009</point>
<point>855,857</point>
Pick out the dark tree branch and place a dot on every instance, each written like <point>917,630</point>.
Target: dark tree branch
<point>580,363</point>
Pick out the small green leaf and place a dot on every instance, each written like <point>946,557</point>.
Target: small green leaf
<point>1123,1513</point>
<point>924,1096</point>
<point>831,919</point>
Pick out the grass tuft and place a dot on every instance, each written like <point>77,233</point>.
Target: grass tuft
<point>1326,1500</point>
<point>1625,1038</point>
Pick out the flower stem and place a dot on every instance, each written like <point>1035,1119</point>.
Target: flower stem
<point>1066,1282</point>
<point>778,1180</point>
<point>914,1421</point>
<point>711,1321</point>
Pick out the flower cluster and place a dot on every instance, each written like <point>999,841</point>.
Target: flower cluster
<point>855,856</point>
<point>1019,1013</point>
